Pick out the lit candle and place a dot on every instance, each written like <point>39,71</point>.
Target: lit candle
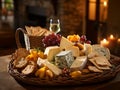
<point>118,41</point>
<point>112,37</point>
<point>104,43</point>
<point>112,40</point>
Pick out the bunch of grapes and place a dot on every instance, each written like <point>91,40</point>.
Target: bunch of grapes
<point>83,40</point>
<point>51,40</point>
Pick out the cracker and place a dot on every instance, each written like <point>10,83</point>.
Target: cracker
<point>99,67</point>
<point>93,54</point>
<point>37,31</point>
<point>102,61</point>
<point>29,30</point>
<point>30,68</point>
<point>94,69</point>
<point>20,62</point>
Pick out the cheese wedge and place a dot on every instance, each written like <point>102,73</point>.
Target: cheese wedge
<point>87,48</point>
<point>51,52</point>
<point>103,51</point>
<point>75,50</point>
<point>79,63</point>
<point>51,66</point>
<point>64,43</point>
<point>64,59</point>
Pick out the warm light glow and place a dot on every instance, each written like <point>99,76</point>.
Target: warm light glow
<point>111,37</point>
<point>104,43</point>
<point>118,40</point>
<point>105,3</point>
<point>92,0</point>
<point>104,40</point>
<point>92,10</point>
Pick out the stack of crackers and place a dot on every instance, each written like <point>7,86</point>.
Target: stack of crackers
<point>37,31</point>
<point>99,57</point>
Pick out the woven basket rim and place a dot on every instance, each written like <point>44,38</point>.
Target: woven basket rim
<point>91,78</point>
<point>34,41</point>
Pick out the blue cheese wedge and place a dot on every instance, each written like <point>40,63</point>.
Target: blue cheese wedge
<point>103,51</point>
<point>79,63</point>
<point>64,59</point>
<point>51,52</point>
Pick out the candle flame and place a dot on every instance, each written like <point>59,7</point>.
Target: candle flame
<point>104,40</point>
<point>118,40</point>
<point>111,36</point>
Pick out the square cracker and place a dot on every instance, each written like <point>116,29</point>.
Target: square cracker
<point>99,67</point>
<point>102,61</point>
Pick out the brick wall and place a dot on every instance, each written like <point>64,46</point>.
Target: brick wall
<point>20,10</point>
<point>70,12</point>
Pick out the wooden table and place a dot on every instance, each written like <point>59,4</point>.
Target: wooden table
<point>7,82</point>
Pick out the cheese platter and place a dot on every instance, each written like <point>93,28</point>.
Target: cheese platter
<point>62,61</point>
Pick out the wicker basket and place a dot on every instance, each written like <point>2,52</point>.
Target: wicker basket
<point>58,81</point>
<point>34,41</point>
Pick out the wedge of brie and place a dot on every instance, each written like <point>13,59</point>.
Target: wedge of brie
<point>79,63</point>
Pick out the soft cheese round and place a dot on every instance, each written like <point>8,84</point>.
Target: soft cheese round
<point>101,50</point>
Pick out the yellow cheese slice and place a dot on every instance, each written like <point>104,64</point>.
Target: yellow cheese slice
<point>64,43</point>
<point>75,50</point>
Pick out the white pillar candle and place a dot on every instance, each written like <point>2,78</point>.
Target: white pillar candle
<point>104,42</point>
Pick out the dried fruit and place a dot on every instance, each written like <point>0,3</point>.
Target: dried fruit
<point>44,73</point>
<point>75,74</point>
<point>73,38</point>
